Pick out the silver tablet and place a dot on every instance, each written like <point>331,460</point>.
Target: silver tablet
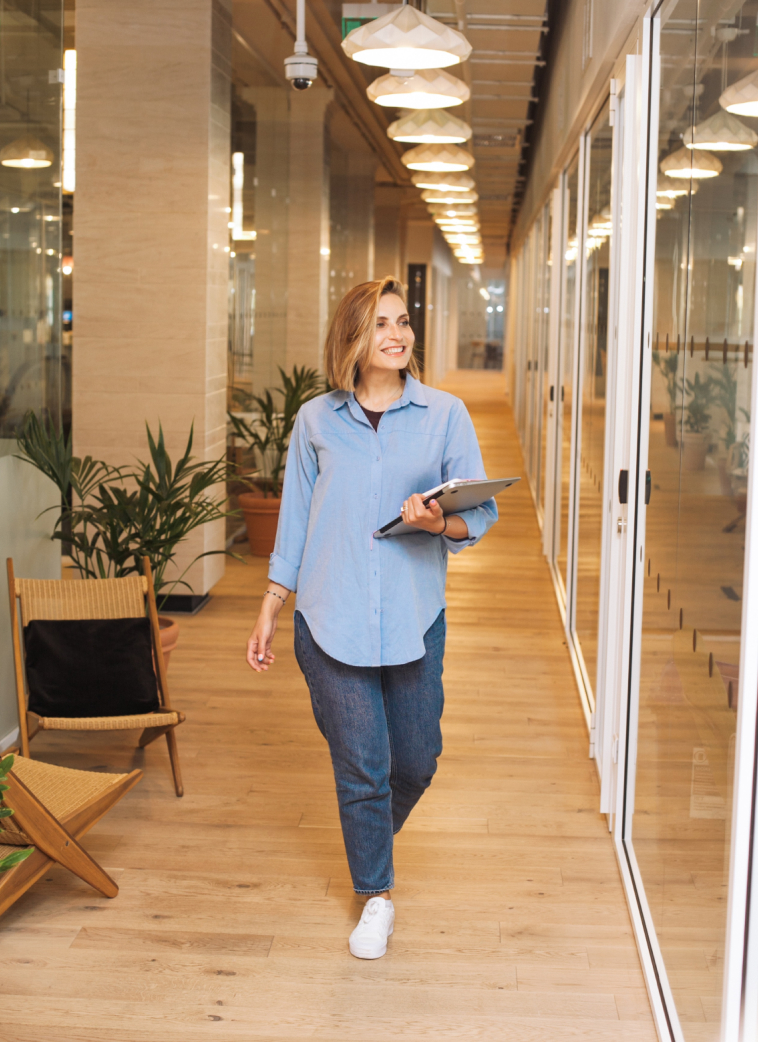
<point>454,496</point>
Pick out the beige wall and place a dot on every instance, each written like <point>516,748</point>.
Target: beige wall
<point>151,227</point>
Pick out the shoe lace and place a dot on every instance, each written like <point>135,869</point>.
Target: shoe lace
<point>372,908</point>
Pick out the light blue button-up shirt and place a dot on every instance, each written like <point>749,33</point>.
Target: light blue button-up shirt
<point>369,602</point>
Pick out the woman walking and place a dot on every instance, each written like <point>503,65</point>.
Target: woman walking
<point>370,613</point>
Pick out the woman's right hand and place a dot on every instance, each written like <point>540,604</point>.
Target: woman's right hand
<point>259,653</point>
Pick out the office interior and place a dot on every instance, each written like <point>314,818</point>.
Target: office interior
<point>186,227</point>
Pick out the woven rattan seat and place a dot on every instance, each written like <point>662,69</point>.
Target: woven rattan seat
<point>74,599</point>
<point>53,806</point>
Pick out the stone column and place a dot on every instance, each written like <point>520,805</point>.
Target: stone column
<point>272,169</point>
<point>151,271</point>
<point>308,247</point>
<point>361,173</point>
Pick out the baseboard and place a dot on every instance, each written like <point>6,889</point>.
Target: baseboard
<point>9,740</point>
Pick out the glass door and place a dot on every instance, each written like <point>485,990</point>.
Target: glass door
<point>591,394</point>
<point>564,391</point>
<point>698,433</point>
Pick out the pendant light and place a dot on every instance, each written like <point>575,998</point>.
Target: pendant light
<point>742,97</point>
<point>445,210</point>
<point>425,89</point>
<point>429,126</point>
<point>723,132</point>
<point>444,182</point>
<point>406,38</point>
<point>437,158</point>
<point>27,153</point>
<point>685,163</point>
<point>430,196</point>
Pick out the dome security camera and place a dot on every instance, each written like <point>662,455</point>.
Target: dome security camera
<point>301,70</point>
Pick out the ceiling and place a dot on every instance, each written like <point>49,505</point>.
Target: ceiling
<point>507,37</point>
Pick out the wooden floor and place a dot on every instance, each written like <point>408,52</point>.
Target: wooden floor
<point>235,902</point>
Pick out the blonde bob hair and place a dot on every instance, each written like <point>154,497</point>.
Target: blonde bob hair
<point>350,340</point>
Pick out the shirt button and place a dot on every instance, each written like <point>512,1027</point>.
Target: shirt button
<point>378,458</point>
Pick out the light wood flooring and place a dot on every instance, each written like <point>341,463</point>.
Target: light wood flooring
<point>235,902</point>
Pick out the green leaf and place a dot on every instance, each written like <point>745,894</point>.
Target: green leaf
<point>5,812</point>
<point>6,763</point>
<point>15,858</point>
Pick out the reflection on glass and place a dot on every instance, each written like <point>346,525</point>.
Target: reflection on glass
<point>566,396</point>
<point>242,248</point>
<point>593,369</point>
<point>699,423</point>
<point>545,405</point>
<point>30,216</point>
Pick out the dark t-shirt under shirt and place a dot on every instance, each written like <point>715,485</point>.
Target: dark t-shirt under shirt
<point>372,417</point>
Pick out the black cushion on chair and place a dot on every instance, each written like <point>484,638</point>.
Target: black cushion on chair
<point>90,667</point>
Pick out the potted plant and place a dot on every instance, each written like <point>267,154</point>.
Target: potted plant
<point>734,456</point>
<point>111,517</point>
<point>668,366</point>
<point>267,436</point>
<point>695,439</point>
<point>17,856</point>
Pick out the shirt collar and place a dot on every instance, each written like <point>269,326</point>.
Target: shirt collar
<point>413,393</point>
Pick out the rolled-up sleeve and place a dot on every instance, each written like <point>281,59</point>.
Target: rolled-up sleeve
<point>299,478</point>
<point>463,459</point>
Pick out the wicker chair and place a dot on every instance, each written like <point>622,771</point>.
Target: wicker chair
<point>92,599</point>
<point>53,807</point>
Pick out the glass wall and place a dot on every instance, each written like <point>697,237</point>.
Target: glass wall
<point>707,201</point>
<point>30,213</point>
<point>565,391</point>
<point>593,368</point>
<point>531,362</point>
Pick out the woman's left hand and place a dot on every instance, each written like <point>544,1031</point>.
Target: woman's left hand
<point>428,519</point>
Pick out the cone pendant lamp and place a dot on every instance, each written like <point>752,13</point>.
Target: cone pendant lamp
<point>426,89</point>
<point>742,97</point>
<point>438,158</point>
<point>26,153</point>
<point>406,39</point>
<point>429,126</point>
<point>691,163</point>
<point>721,133</point>
<point>444,182</point>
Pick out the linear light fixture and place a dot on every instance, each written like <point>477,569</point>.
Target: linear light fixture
<point>238,183</point>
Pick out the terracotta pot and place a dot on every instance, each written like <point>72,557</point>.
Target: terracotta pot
<point>694,450</point>
<point>669,426</point>
<point>169,636</point>
<point>261,519</point>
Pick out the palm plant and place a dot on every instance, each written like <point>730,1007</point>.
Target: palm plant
<point>5,812</point>
<point>699,396</point>
<point>668,366</point>
<point>113,516</point>
<point>268,436</point>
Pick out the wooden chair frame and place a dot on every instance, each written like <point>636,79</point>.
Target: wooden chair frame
<point>30,723</point>
<point>56,840</point>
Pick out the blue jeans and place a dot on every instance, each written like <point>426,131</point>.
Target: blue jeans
<point>382,724</point>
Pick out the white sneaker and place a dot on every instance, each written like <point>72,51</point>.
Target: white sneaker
<point>369,939</point>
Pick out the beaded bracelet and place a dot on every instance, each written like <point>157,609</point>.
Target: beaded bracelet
<point>282,599</point>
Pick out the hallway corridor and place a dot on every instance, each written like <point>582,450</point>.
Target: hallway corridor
<point>235,902</point>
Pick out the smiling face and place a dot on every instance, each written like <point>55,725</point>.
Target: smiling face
<point>393,338</point>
